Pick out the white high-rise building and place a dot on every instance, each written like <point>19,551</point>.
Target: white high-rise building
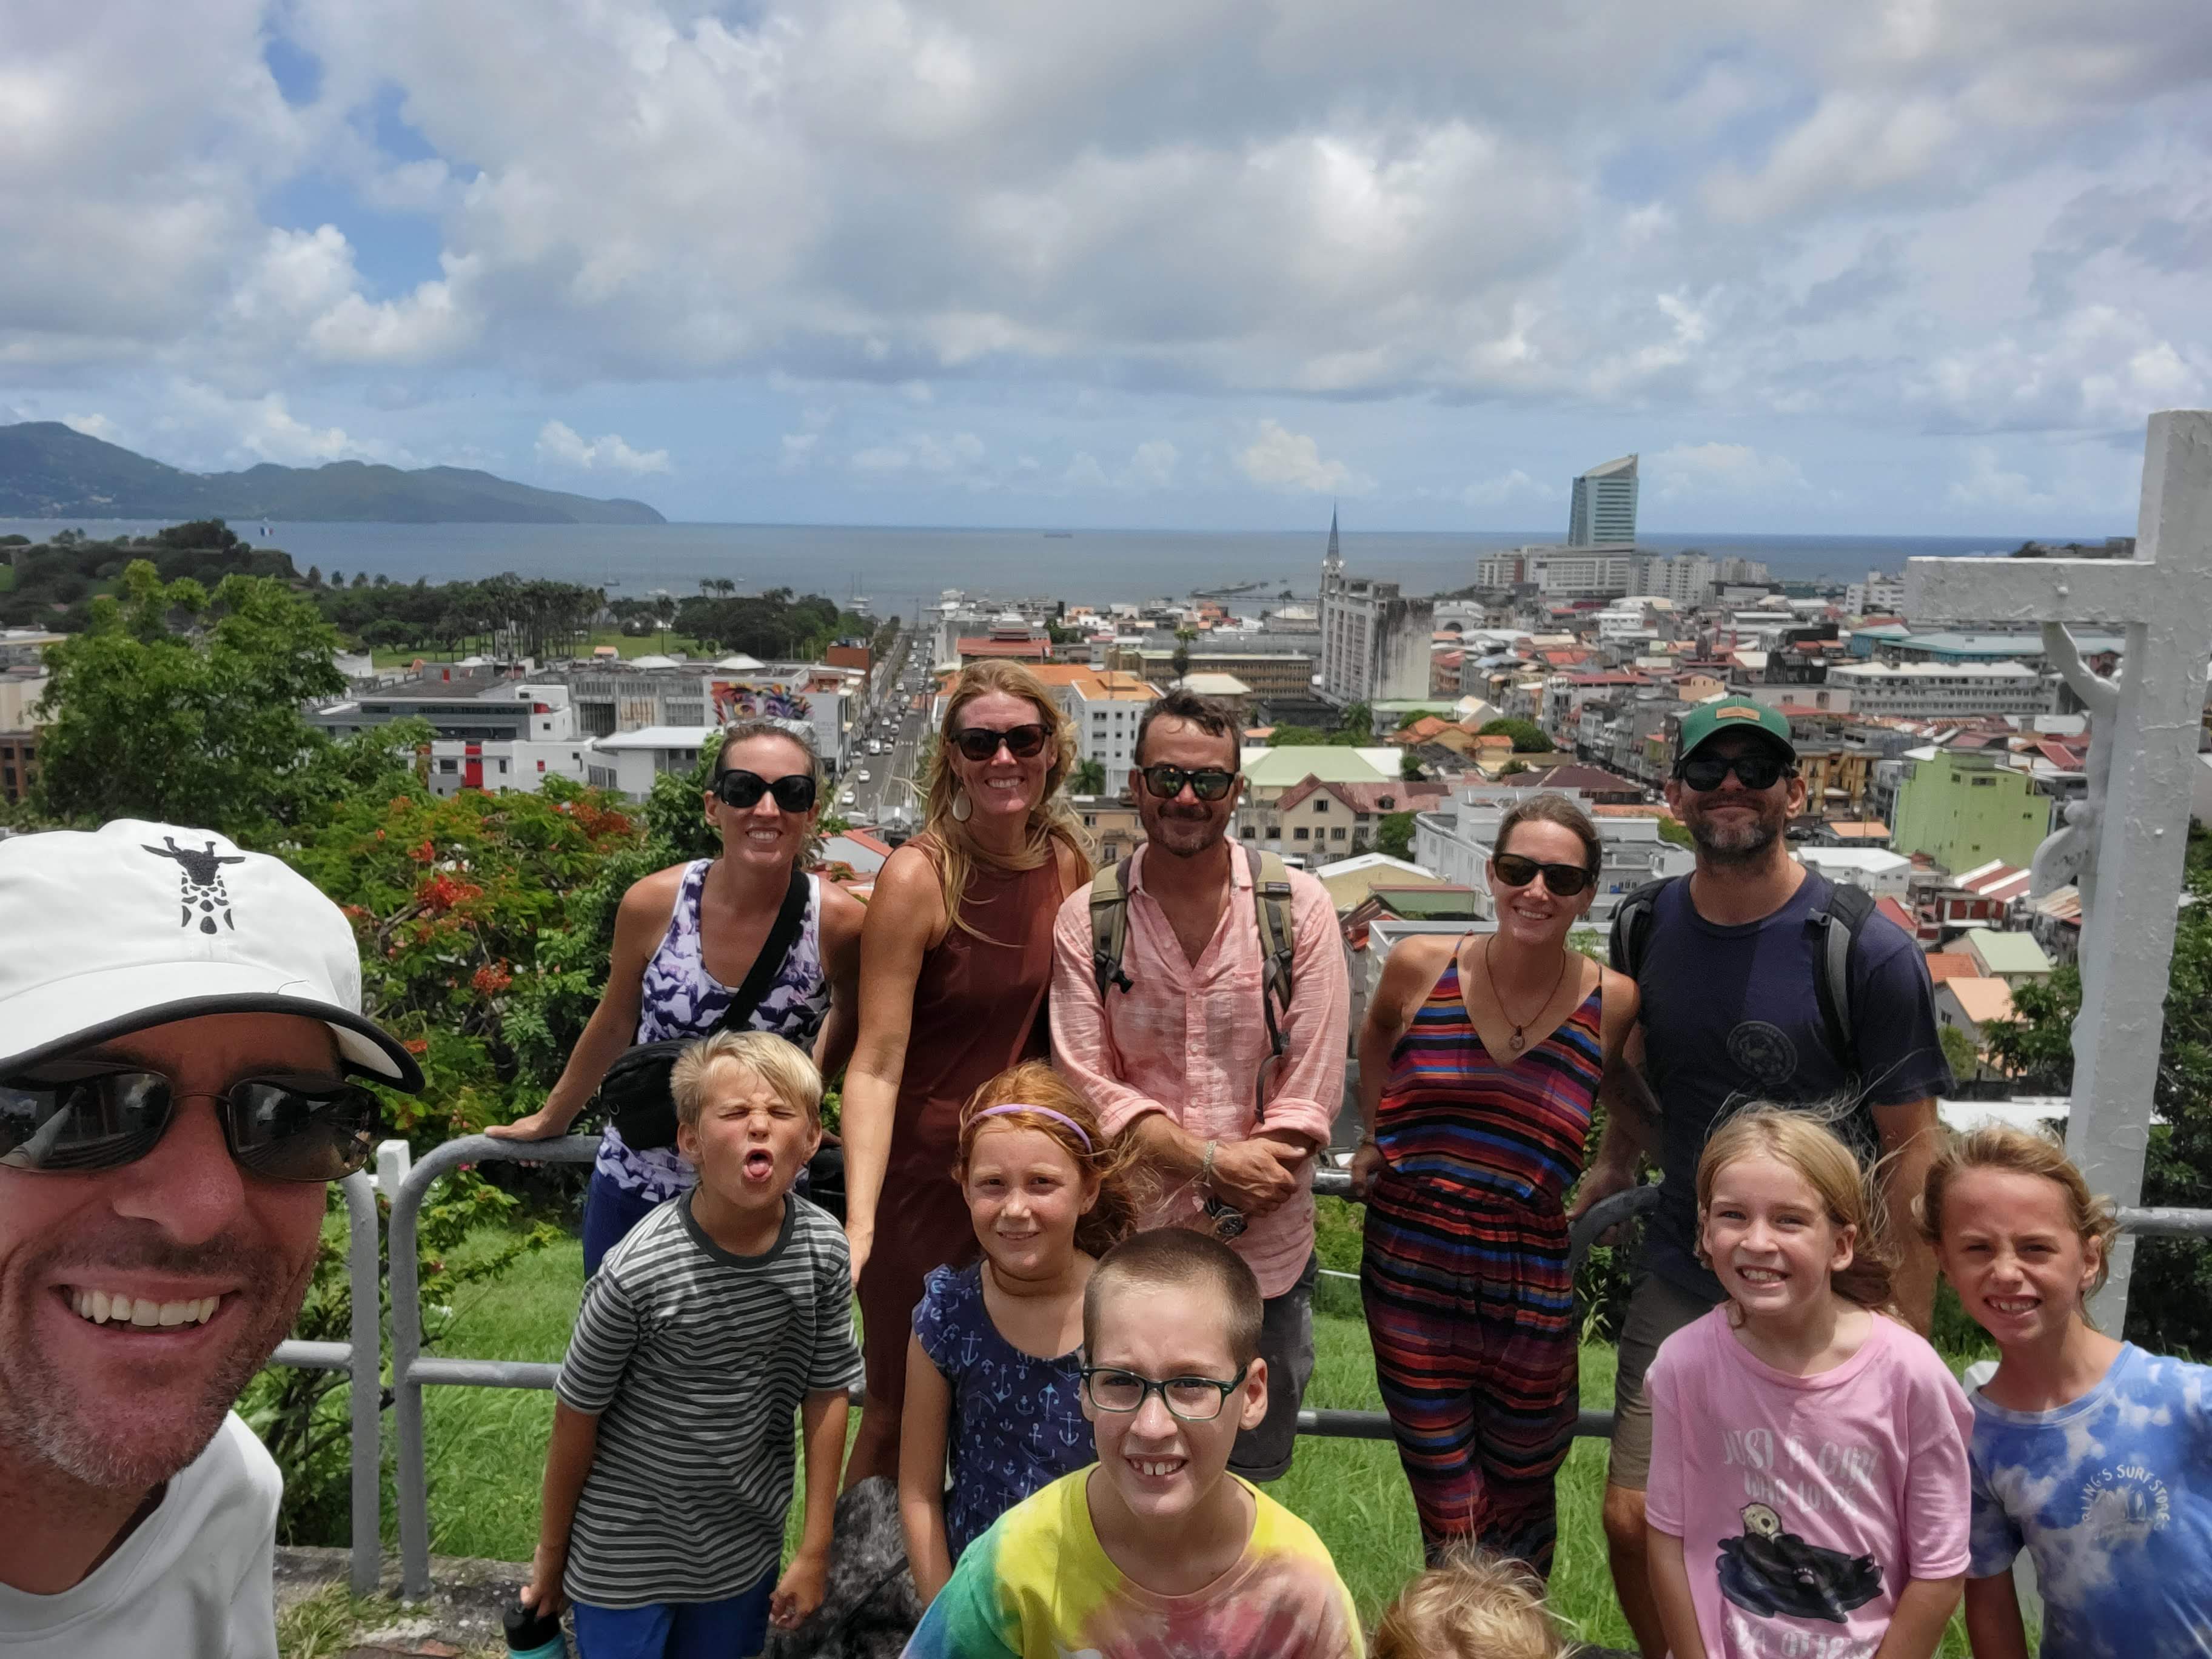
<point>1374,643</point>
<point>1604,505</point>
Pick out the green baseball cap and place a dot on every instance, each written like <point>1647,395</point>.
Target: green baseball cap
<point>1709,720</point>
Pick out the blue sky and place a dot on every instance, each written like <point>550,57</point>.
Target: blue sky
<point>1915,265</point>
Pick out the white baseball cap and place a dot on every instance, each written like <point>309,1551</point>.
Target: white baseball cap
<point>138,924</point>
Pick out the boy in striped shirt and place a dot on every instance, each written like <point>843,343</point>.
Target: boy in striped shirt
<point>669,1471</point>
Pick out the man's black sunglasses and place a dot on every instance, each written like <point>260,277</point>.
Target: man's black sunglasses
<point>1564,880</point>
<point>1207,783</point>
<point>980,743</point>
<point>80,1117</point>
<point>1755,769</point>
<point>742,790</point>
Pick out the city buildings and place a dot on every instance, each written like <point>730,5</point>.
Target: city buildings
<point>1604,505</point>
<point>1920,691</point>
<point>1877,596</point>
<point>1965,807</point>
<point>1105,708</point>
<point>1323,820</point>
<point>1374,643</point>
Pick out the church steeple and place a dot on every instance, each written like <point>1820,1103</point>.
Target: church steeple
<point>1331,562</point>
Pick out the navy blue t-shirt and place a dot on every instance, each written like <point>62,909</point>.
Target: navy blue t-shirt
<point>1732,1015</point>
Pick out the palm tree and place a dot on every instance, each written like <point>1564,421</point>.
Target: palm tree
<point>1089,778</point>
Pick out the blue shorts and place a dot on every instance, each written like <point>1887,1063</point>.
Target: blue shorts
<point>732,1628</point>
<point>610,1209</point>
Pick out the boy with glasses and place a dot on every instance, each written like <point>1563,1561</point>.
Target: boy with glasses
<point>1179,1047</point>
<point>1156,1548</point>
<point>1732,968</point>
<point>180,1038</point>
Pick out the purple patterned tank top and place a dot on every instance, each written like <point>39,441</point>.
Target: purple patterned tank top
<point>680,999</point>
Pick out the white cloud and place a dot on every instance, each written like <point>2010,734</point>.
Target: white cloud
<point>560,444</point>
<point>1509,487</point>
<point>959,457</point>
<point>1989,484</point>
<point>1989,214</point>
<point>95,425</point>
<point>1279,459</point>
<point>1717,470</point>
<point>1152,464</point>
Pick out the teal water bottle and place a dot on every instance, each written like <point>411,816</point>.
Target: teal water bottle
<point>533,1635</point>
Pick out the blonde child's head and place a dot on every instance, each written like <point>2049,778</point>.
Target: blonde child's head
<point>1803,1145</point>
<point>779,1064</point>
<point>1998,1188</point>
<point>1471,1605</point>
<point>1033,1096</point>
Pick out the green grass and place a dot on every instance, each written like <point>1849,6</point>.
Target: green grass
<point>486,1450</point>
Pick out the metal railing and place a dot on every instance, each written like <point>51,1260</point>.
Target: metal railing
<point>362,1358</point>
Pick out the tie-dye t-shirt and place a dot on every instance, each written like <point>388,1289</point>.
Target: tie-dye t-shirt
<point>1037,1585</point>
<point>2112,1496</point>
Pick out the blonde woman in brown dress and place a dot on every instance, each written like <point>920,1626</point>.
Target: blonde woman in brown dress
<point>956,957</point>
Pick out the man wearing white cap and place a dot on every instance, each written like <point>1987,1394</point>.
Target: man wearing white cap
<point>181,1029</point>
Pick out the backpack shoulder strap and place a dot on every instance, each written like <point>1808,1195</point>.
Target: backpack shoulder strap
<point>1839,926</point>
<point>1632,925</point>
<point>1270,903</point>
<point>1110,926</point>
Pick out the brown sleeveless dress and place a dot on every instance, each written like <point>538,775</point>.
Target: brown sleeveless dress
<point>979,1007</point>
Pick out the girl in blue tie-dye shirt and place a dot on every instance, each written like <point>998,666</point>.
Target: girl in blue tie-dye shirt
<point>2090,1454</point>
<point>996,1373</point>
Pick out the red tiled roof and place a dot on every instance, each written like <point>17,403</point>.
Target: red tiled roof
<point>1028,650</point>
<point>1945,964</point>
<point>1401,796</point>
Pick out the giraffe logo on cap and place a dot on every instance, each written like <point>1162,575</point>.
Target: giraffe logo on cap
<point>201,877</point>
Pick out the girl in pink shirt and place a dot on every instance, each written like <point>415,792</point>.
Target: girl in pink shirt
<point>1809,1496</point>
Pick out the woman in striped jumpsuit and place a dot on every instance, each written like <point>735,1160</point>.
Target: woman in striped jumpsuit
<point>1478,1065</point>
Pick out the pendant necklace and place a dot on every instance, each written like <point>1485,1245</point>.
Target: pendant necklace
<point>1521,1025</point>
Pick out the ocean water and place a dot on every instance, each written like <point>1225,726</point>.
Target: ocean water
<point>895,567</point>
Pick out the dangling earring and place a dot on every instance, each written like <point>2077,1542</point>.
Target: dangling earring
<point>961,806</point>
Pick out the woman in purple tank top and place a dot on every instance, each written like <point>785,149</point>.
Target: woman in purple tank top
<point>686,938</point>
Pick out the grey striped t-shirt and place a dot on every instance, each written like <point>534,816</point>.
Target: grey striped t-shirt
<point>694,1360</point>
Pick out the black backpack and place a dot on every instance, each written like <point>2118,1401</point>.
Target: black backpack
<point>1848,910</point>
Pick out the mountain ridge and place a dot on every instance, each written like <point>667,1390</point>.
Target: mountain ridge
<point>50,470</point>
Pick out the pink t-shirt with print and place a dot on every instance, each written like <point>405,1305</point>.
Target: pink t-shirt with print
<point>1804,1504</point>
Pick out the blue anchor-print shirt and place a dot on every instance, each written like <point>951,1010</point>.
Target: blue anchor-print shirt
<point>1018,1421</point>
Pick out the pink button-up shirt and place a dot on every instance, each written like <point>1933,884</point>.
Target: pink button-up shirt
<point>1190,1037</point>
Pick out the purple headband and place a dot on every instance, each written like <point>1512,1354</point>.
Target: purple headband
<point>1041,1111</point>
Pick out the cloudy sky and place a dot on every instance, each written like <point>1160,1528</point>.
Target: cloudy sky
<point>1899,265</point>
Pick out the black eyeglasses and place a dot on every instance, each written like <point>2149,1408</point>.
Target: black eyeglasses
<point>742,790</point>
<point>1207,783</point>
<point>1755,769</point>
<point>1564,880</point>
<point>980,743</point>
<point>82,1117</point>
<point>1193,1399</point>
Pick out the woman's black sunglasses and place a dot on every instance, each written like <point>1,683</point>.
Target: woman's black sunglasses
<point>1754,770</point>
<point>1564,880</point>
<point>80,1117</point>
<point>980,743</point>
<point>742,790</point>
<point>1207,783</point>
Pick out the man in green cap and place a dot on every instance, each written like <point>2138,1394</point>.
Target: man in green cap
<point>1760,982</point>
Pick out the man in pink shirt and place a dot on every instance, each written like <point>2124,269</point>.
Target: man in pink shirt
<point>1173,1053</point>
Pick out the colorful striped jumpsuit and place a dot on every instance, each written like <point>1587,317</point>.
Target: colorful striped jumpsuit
<point>1466,1272</point>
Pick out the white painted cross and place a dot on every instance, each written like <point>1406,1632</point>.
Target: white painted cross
<point>2129,841</point>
